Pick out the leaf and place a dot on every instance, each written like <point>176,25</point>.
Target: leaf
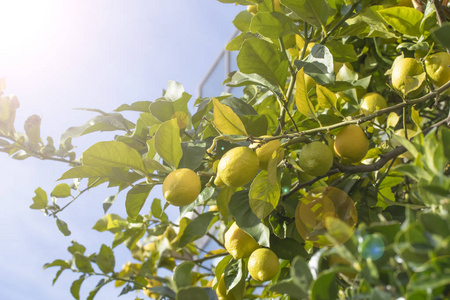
<point>392,120</point>
<point>75,287</point>
<point>62,190</point>
<point>441,35</point>
<point>325,286</point>
<point>314,12</point>
<point>204,196</point>
<point>239,208</point>
<point>168,143</point>
<point>263,196</point>
<point>325,97</point>
<point>40,201</point>
<point>273,25</point>
<point>99,285</point>
<point>263,58</point>
<point>94,172</point>
<point>342,52</point>
<point>111,222</point>
<point>235,274</point>
<point>141,106</point>
<point>319,65</point>
<point>153,165</point>
<point>105,259</point>
<point>223,198</point>
<point>405,20</point>
<point>302,101</point>
<point>136,198</point>
<point>113,154</point>
<point>182,275</point>
<point>195,292</point>
<point>197,228</point>
<point>237,42</point>
<point>399,140</point>
<point>299,283</point>
<point>193,153</point>
<point>83,263</point>
<point>242,20</point>
<point>226,120</point>
<point>62,226</point>
<point>287,248</point>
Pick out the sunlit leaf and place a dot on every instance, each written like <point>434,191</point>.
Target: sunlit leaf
<point>168,143</point>
<point>226,120</point>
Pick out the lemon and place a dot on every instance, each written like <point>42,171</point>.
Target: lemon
<point>315,159</point>
<point>181,187</point>
<point>351,144</point>
<point>263,264</point>
<point>373,102</point>
<point>265,152</point>
<point>402,69</point>
<point>438,68</point>
<point>253,9</point>
<point>152,283</point>
<point>239,243</point>
<point>238,166</point>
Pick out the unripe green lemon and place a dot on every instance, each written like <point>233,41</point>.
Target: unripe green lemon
<point>373,102</point>
<point>401,70</point>
<point>316,159</point>
<point>263,264</point>
<point>181,187</point>
<point>438,68</point>
<point>351,144</point>
<point>238,166</point>
<point>265,152</point>
<point>239,243</point>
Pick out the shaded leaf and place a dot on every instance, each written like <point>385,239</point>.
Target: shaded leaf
<point>136,198</point>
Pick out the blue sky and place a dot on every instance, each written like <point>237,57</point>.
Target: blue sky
<point>59,55</point>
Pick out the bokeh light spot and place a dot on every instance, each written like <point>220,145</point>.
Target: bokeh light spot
<point>372,247</point>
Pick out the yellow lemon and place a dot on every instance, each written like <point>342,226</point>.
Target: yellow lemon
<point>263,264</point>
<point>373,102</point>
<point>315,159</point>
<point>438,68</point>
<point>239,243</point>
<point>351,144</point>
<point>402,69</point>
<point>181,187</point>
<point>152,283</point>
<point>265,152</point>
<point>238,166</point>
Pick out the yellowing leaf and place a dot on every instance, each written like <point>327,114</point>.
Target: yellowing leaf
<point>302,101</point>
<point>168,142</point>
<point>325,97</point>
<point>226,120</point>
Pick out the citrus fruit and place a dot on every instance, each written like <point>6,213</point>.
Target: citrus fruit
<point>238,166</point>
<point>438,68</point>
<point>239,243</point>
<point>265,152</point>
<point>263,264</point>
<point>253,9</point>
<point>152,283</point>
<point>315,159</point>
<point>402,69</point>
<point>181,187</point>
<point>351,144</point>
<point>373,102</point>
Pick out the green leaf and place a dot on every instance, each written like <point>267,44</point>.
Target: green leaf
<point>441,35</point>
<point>136,198</point>
<point>287,248</point>
<point>223,198</point>
<point>75,287</point>
<point>58,263</point>
<point>325,286</point>
<point>105,259</point>
<point>239,208</point>
<point>263,58</point>
<point>255,125</point>
<point>62,226</point>
<point>113,154</point>
<point>325,97</point>
<point>319,65</point>
<point>237,42</point>
<point>95,172</point>
<point>405,20</point>
<point>239,106</point>
<point>195,292</point>
<point>314,12</point>
<point>302,101</point>
<point>76,247</point>
<point>392,120</point>
<point>226,120</point>
<point>99,285</point>
<point>182,275</point>
<point>263,196</point>
<point>111,222</point>
<point>242,20</point>
<point>40,201</point>
<point>168,143</point>
<point>62,190</point>
<point>204,196</point>
<point>142,106</point>
<point>273,25</point>
<point>399,140</point>
<point>153,165</point>
<point>301,275</point>
<point>83,263</point>
<point>342,52</point>
<point>234,279</point>
<point>193,153</point>
<point>197,228</point>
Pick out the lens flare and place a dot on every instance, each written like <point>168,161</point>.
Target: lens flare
<point>372,247</point>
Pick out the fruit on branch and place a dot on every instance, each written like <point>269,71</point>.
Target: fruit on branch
<point>239,243</point>
<point>438,68</point>
<point>265,151</point>
<point>238,166</point>
<point>315,159</point>
<point>351,144</point>
<point>373,102</point>
<point>152,283</point>
<point>403,71</point>
<point>263,264</point>
<point>181,187</point>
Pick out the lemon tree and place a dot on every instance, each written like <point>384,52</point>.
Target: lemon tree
<point>324,173</point>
